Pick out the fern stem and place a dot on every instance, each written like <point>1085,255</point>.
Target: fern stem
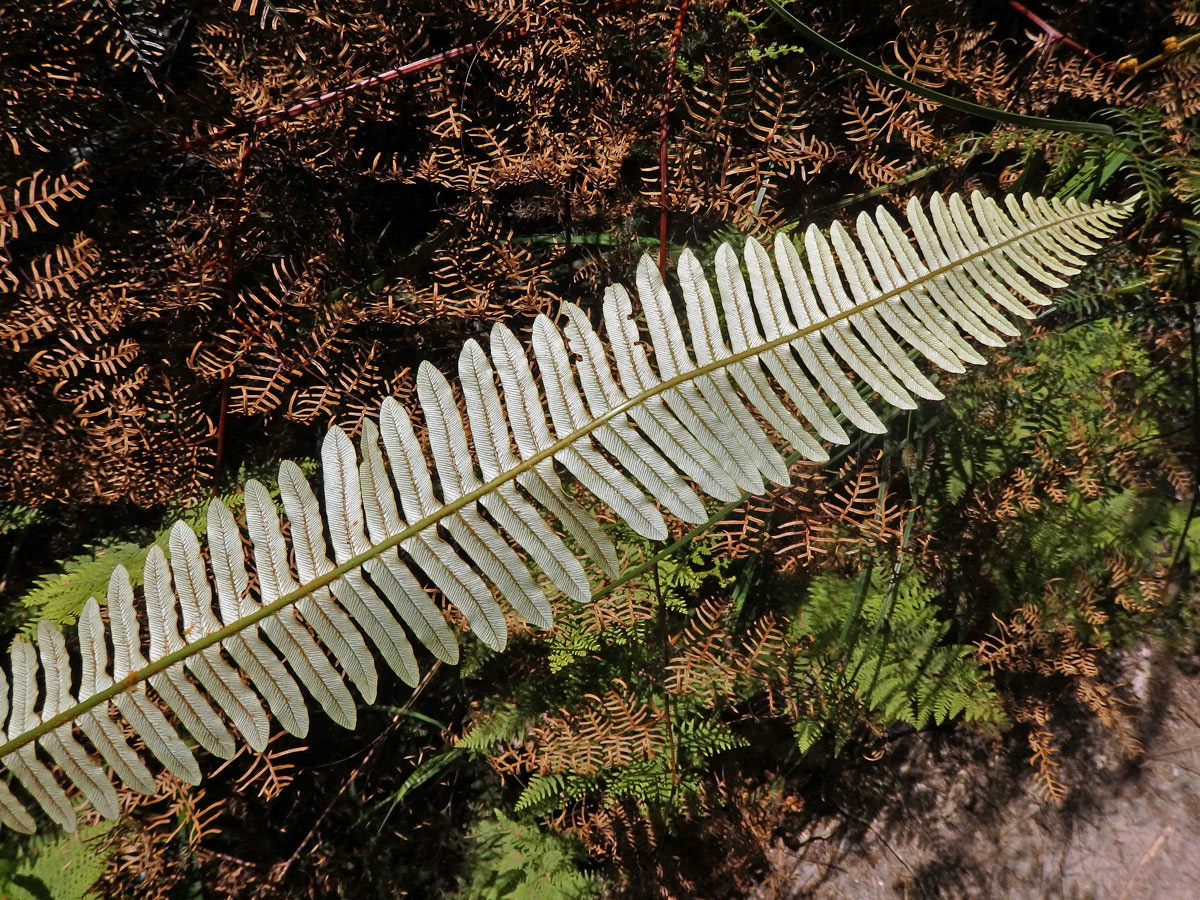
<point>472,497</point>
<point>664,134</point>
<point>664,662</point>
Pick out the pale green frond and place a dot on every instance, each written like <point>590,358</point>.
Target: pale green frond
<point>416,609</point>
<point>142,714</point>
<point>648,419</point>
<point>490,433</point>
<point>264,669</point>
<point>448,570</point>
<point>585,462</point>
<point>747,445</point>
<point>96,724</point>
<point>344,515</point>
<point>178,691</point>
<point>25,765</point>
<point>456,472</point>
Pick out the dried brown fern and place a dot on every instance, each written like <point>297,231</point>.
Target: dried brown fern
<point>31,203</point>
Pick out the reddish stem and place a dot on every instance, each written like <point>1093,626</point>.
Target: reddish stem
<point>663,133</point>
<point>222,418</point>
<point>287,113</point>
<point>235,221</point>
<point>1055,35</point>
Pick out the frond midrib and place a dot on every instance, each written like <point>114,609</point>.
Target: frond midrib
<point>448,509</point>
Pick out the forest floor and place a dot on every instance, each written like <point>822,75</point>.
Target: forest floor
<point>940,818</point>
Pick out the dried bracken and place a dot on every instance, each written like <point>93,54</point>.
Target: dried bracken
<point>463,188</point>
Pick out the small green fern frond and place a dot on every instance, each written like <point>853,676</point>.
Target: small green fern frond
<point>65,868</point>
<point>893,666</point>
<point>342,589</point>
<point>60,595</point>
<point>540,790</point>
<point>517,861</point>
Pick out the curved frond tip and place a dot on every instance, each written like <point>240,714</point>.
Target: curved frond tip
<point>648,411</point>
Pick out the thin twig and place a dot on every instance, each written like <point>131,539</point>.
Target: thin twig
<point>878,835</point>
<point>663,135</point>
<point>664,637</point>
<point>281,871</point>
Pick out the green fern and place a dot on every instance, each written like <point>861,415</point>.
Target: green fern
<point>702,736</point>
<point>59,596</point>
<point>64,867</point>
<point>512,860</point>
<point>1056,424</point>
<point>543,791</point>
<point>895,668</point>
<point>501,724</point>
<point>1139,156</point>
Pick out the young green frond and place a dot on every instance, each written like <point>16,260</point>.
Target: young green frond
<point>781,343</point>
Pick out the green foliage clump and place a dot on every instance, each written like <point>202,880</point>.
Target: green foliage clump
<point>55,866</point>
<point>875,648</point>
<point>510,860</point>
<point>680,576</point>
<point>624,719</point>
<point>672,739</point>
<point>1065,473</point>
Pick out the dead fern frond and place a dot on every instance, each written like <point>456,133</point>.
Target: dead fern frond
<point>32,201</point>
<point>59,273</point>
<point>1044,754</point>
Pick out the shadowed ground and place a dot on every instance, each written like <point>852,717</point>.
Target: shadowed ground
<point>938,818</point>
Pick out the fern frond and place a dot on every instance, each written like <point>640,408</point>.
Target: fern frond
<point>264,10</point>
<point>33,201</point>
<point>642,439</point>
<point>136,33</point>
